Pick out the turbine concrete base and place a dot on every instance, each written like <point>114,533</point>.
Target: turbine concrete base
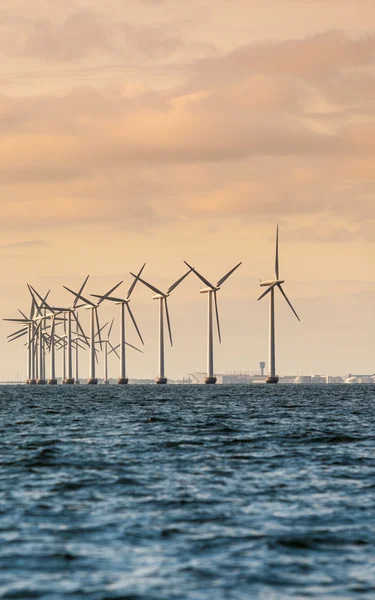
<point>92,381</point>
<point>161,380</point>
<point>52,382</point>
<point>41,382</point>
<point>272,379</point>
<point>122,380</point>
<point>210,380</point>
<point>106,381</point>
<point>77,381</point>
<point>31,382</point>
<point>69,381</point>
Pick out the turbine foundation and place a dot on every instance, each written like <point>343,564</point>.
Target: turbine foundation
<point>161,380</point>
<point>92,381</point>
<point>106,381</point>
<point>52,382</point>
<point>210,380</point>
<point>69,381</point>
<point>122,380</point>
<point>41,382</point>
<point>272,379</point>
<point>31,381</point>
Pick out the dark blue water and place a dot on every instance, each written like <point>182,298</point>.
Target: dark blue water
<point>225,492</point>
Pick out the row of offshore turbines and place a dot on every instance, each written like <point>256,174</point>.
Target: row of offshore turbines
<point>43,340</point>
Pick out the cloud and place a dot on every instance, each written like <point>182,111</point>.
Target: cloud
<point>82,34</point>
<point>256,133</point>
<point>24,244</point>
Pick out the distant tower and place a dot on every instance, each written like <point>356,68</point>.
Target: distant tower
<point>262,367</point>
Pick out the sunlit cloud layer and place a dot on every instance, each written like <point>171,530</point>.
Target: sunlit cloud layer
<point>142,129</point>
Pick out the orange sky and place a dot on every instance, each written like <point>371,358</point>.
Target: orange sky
<point>152,130</point>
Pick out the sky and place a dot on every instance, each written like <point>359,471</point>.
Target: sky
<point>158,131</point>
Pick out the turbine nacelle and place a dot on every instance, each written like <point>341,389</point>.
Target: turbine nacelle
<point>208,290</point>
<point>272,282</point>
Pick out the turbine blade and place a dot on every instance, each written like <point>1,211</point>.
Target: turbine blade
<point>221,281</point>
<point>111,298</point>
<point>98,327</point>
<point>23,314</point>
<point>114,349</point>
<point>43,300</point>
<point>15,332</point>
<point>168,320</point>
<point>217,317</point>
<point>110,328</point>
<point>154,289</point>
<point>17,320</point>
<point>137,349</point>
<point>130,290</point>
<point>205,281</point>
<point>287,299</point>
<point>267,290</point>
<point>107,294</point>
<point>79,296</point>
<point>134,322</point>
<point>81,290</point>
<point>176,283</point>
<point>80,328</point>
<point>277,253</point>
<point>18,336</point>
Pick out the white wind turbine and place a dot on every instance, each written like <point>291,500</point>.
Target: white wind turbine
<point>28,329</point>
<point>162,297</point>
<point>123,302</point>
<point>68,312</point>
<point>211,291</point>
<point>271,286</point>
<point>94,322</point>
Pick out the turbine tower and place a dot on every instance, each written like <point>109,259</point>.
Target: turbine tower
<point>211,290</point>
<point>163,306</point>
<point>123,380</point>
<point>271,286</point>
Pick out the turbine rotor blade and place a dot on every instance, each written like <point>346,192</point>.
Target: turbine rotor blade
<point>217,317</point>
<point>110,328</point>
<point>98,327</point>
<point>130,290</point>
<point>277,253</point>
<point>221,281</point>
<point>17,336</point>
<point>81,290</point>
<point>137,349</point>
<point>271,287</point>
<point>108,293</point>
<point>15,332</point>
<point>287,299</point>
<point>114,349</point>
<point>111,298</point>
<point>168,320</point>
<point>79,296</point>
<point>205,281</point>
<point>80,328</point>
<point>134,322</point>
<point>174,285</point>
<point>23,314</point>
<point>153,288</point>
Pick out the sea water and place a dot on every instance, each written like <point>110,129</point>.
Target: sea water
<point>196,492</point>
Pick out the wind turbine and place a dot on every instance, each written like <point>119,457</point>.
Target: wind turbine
<point>271,286</point>
<point>162,297</point>
<point>123,302</point>
<point>94,321</point>
<point>26,329</point>
<point>211,291</point>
